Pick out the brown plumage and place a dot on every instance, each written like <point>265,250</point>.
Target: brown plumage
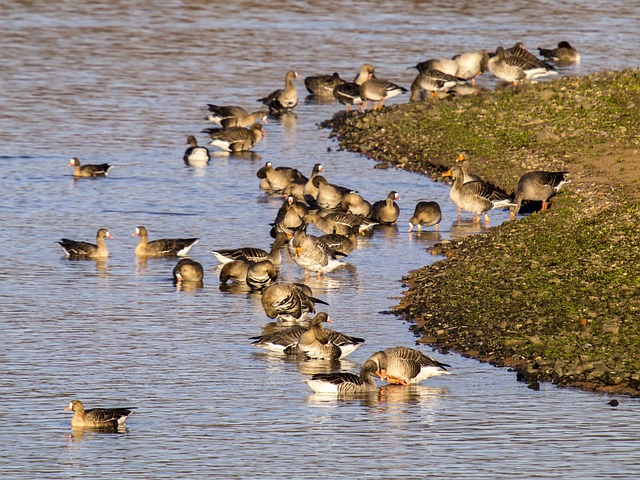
<point>386,211</point>
<point>105,418</point>
<point>279,177</point>
<point>165,247</point>
<point>323,85</point>
<point>187,270</point>
<point>236,139</point>
<point>228,116</point>
<point>425,214</point>
<point>101,170</point>
<point>285,99</point>
<point>261,274</point>
<point>76,250</point>
<point>253,254</point>
<point>289,301</point>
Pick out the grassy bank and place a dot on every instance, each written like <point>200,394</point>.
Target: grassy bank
<point>555,294</point>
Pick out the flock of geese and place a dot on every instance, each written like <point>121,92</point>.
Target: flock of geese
<point>340,213</point>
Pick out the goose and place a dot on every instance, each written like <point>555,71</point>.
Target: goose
<point>463,161</point>
<point>433,81</point>
<point>355,204</point>
<point>302,189</point>
<point>518,66</point>
<point>349,93</point>
<point>164,247</point>
<point>283,100</point>
<point>187,270</point>
<point>471,65</point>
<point>538,186</point>
<point>278,178</point>
<point>75,249</point>
<point>443,65</point>
<point>329,195</point>
<point>261,274</point>
<point>475,197</point>
<point>338,222</point>
<point>387,211</point>
<point>235,272</point>
<point>236,139</point>
<point>341,244</point>
<point>426,214</point>
<point>311,254</point>
<point>319,343</point>
<point>289,302</point>
<point>107,418</point>
<point>344,383</point>
<point>253,254</point>
<point>289,218</point>
<point>232,116</point>
<point>405,366</point>
<point>101,170</point>
<point>323,85</point>
<point>563,54</point>
<point>195,155</point>
<point>377,91</point>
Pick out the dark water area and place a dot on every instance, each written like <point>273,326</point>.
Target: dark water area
<point>125,83</point>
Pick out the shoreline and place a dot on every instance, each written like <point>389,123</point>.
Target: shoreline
<point>554,295</point>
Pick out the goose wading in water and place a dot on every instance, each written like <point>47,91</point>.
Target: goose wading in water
<point>538,186</point>
<point>164,247</point>
<point>285,99</point>
<point>322,85</point>
<point>320,343</point>
<point>231,116</point>
<point>475,197</point>
<point>311,254</point>
<point>195,155</point>
<point>106,418</point>
<point>386,211</point>
<point>101,170</point>
<point>426,214</point>
<point>278,178</point>
<point>187,270</point>
<point>564,54</point>
<point>289,302</point>
<point>236,139</point>
<point>253,254</point>
<point>344,383</point>
<point>77,250</point>
<point>405,366</point>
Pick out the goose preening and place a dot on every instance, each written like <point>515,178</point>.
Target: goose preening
<point>106,418</point>
<point>426,214</point>
<point>349,93</point>
<point>433,81</point>
<point>231,116</point>
<point>253,254</point>
<point>329,196</point>
<point>164,247</point>
<point>471,65</point>
<point>195,155</point>
<point>289,218</point>
<point>311,254</point>
<point>289,302</point>
<point>322,85</point>
<point>236,139</point>
<point>261,274</point>
<point>76,250</point>
<point>355,204</point>
<point>344,383</point>
<point>101,170</point>
<point>285,99</point>
<point>404,365</point>
<point>564,54</point>
<point>187,270</point>
<point>538,186</point>
<point>386,211</point>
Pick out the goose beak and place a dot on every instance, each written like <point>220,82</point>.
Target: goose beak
<point>410,226</point>
<point>69,407</point>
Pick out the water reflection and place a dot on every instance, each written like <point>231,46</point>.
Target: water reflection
<point>189,286</point>
<point>80,434</point>
<point>387,396</point>
<point>464,228</point>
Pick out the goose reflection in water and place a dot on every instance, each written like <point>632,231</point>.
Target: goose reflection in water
<point>464,228</point>
<point>388,396</point>
<point>79,434</point>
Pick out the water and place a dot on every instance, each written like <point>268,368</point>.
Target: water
<point>126,83</point>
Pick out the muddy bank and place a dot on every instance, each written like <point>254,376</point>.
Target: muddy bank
<point>555,294</point>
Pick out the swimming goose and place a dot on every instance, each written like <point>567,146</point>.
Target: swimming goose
<point>405,366</point>
<point>107,418</point>
<point>101,170</point>
<point>319,343</point>
<point>443,65</point>
<point>195,155</point>
<point>278,178</point>
<point>253,254</point>
<point>349,93</point>
<point>323,85</point>
<point>433,81</point>
<point>355,204</point>
<point>261,274</point>
<point>236,139</point>
<point>289,301</point>
<point>311,254</point>
<point>463,161</point>
<point>289,218</point>
<point>563,54</point>
<point>285,99</point>
<point>538,186</point>
<point>75,249</point>
<point>475,197</point>
<point>425,214</point>
<point>338,222</point>
<point>344,383</point>
<point>378,90</point>
<point>231,116</point>
<point>517,66</point>
<point>187,270</point>
<point>471,65</point>
<point>329,195</point>
<point>164,247</point>
<point>386,211</point>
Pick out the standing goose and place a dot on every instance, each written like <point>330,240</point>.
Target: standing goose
<point>323,85</point>
<point>236,139</point>
<point>187,270</point>
<point>289,218</point>
<point>355,204</point>
<point>475,197</point>
<point>299,186</point>
<point>107,418</point>
<point>377,91</point>
<point>311,254</point>
<point>253,254</point>
<point>289,301</point>
<point>343,383</point>
<point>426,214</point>
<point>164,247</point>
<point>278,178</point>
<point>319,343</point>
<point>405,366</point>
<point>195,155</point>
<point>349,93</point>
<point>433,81</point>
<point>471,65</point>
<point>563,55</point>
<point>261,274</point>
<point>285,99</point>
<point>463,162</point>
<point>76,250</point>
<point>538,186</point>
<point>387,211</point>
<point>231,116</point>
<point>443,65</point>
<point>101,170</point>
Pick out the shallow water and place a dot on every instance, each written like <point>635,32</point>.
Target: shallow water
<point>125,84</point>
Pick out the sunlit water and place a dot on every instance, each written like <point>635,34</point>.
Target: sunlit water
<point>125,84</point>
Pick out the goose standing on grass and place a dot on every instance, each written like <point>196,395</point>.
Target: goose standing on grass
<point>386,211</point>
<point>311,254</point>
<point>164,247</point>
<point>285,99</point>
<point>405,366</point>
<point>278,178</point>
<point>323,85</point>
<point>236,139</point>
<point>349,93</point>
<point>187,270</point>
<point>377,91</point>
<point>101,170</point>
<point>195,155</point>
<point>107,418</point>
<point>228,116</point>
<point>319,343</point>
<point>426,214</point>
<point>475,197</point>
<point>433,81</point>
<point>564,54</point>
<point>344,383</point>
<point>77,250</point>
<point>253,254</point>
<point>538,186</point>
<point>289,302</point>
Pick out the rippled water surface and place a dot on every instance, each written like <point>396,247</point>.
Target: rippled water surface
<point>125,83</point>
